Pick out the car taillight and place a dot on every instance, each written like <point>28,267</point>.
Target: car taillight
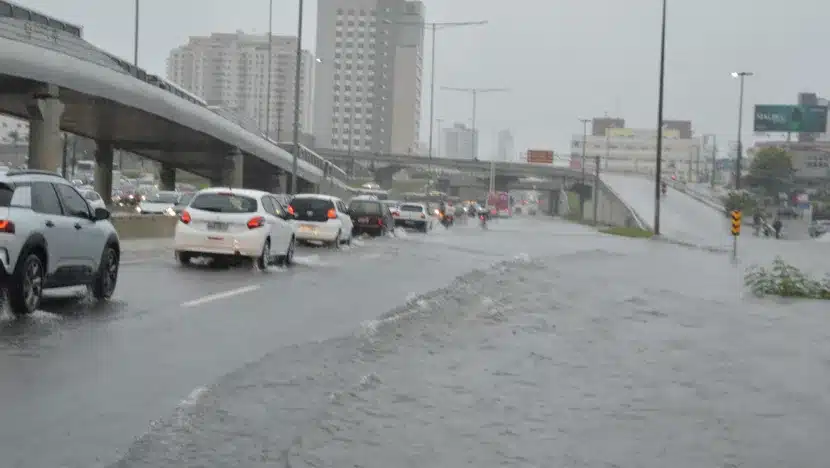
<point>290,210</point>
<point>423,216</point>
<point>332,214</point>
<point>6,226</point>
<point>185,217</point>
<point>380,221</point>
<point>255,222</point>
<point>395,214</point>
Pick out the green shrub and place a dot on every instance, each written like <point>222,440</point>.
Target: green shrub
<point>740,200</point>
<point>786,280</point>
<point>628,232</point>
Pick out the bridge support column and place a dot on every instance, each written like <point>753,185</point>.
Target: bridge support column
<point>167,176</point>
<point>229,172</point>
<point>304,186</point>
<point>103,170</point>
<point>45,146</point>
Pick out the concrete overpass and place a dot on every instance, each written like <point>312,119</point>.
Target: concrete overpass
<point>59,82</point>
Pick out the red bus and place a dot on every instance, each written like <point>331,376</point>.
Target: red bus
<point>499,204</point>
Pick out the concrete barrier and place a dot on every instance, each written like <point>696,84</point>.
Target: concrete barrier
<point>144,226</point>
<point>612,210</point>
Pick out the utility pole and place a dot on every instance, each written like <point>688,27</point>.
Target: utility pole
<point>658,169</point>
<point>740,76</point>
<point>714,158</point>
<point>596,190</point>
<point>135,38</point>
<point>295,163</point>
<point>585,123</point>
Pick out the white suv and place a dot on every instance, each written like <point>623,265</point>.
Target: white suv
<point>51,238</point>
<point>321,218</point>
<point>227,224</point>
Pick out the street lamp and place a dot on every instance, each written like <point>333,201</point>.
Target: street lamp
<point>475,92</point>
<point>299,62</point>
<point>585,123</point>
<point>658,169</point>
<point>740,76</point>
<point>435,26</point>
<point>135,39</point>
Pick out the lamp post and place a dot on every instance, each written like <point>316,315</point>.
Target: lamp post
<point>585,123</point>
<point>740,150</point>
<point>135,38</point>
<point>475,92</point>
<point>433,27</point>
<point>299,63</point>
<point>659,162</point>
<point>268,79</point>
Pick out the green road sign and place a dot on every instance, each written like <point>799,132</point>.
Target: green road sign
<point>790,119</point>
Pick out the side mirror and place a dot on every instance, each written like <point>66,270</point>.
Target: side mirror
<point>101,214</point>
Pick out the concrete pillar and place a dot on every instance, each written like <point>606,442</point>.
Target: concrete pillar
<point>45,144</point>
<point>234,174</point>
<point>167,176</point>
<point>103,170</point>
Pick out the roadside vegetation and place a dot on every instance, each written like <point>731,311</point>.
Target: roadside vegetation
<point>785,280</point>
<point>633,232</point>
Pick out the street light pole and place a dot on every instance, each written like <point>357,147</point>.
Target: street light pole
<point>585,123</point>
<point>740,76</point>
<point>659,163</point>
<point>135,38</point>
<point>475,92</point>
<point>268,80</point>
<point>296,140</point>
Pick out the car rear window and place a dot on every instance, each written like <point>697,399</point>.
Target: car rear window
<point>224,203</point>
<point>311,204</point>
<point>6,193</point>
<point>412,208</point>
<point>365,207</point>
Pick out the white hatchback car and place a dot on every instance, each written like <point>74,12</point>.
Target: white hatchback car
<point>225,224</point>
<point>321,218</point>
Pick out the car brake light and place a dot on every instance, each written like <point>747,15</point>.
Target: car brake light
<point>291,210</point>
<point>332,214</point>
<point>423,216</point>
<point>380,221</point>
<point>395,213</point>
<point>185,217</point>
<point>6,226</point>
<point>255,222</point>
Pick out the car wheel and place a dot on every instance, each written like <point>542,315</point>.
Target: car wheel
<point>288,259</point>
<point>105,280</point>
<point>335,244</point>
<point>349,240</point>
<point>184,258</point>
<point>265,260</point>
<point>26,288</point>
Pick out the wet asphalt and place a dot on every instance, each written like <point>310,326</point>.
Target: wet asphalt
<point>536,343</point>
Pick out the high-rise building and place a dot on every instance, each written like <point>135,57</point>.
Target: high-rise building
<point>505,146</point>
<point>368,82</point>
<point>457,141</point>
<point>231,70</point>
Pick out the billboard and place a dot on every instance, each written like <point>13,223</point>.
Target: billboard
<point>644,134</point>
<point>540,156</point>
<point>790,118</point>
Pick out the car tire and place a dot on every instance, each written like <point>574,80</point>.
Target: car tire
<point>103,286</point>
<point>264,260</point>
<point>287,259</point>
<point>184,258</point>
<point>26,287</point>
<point>335,244</point>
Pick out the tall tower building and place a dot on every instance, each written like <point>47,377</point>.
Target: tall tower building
<point>368,83</point>
<point>505,146</point>
<point>231,70</point>
<point>458,141</point>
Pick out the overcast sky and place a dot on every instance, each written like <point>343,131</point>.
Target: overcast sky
<point>562,59</point>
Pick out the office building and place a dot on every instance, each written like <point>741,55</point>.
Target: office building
<point>458,142</point>
<point>231,71</point>
<point>505,146</point>
<point>635,150</point>
<point>368,82</point>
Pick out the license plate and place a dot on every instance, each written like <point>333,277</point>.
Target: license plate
<point>217,227</point>
<point>307,228</point>
<point>410,223</point>
<point>363,220</point>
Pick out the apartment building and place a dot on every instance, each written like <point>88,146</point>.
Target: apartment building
<point>231,70</point>
<point>458,141</point>
<point>368,79</point>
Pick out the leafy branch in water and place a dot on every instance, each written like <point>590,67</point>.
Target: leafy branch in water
<point>785,280</point>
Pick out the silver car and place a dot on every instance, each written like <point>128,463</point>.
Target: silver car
<point>51,238</point>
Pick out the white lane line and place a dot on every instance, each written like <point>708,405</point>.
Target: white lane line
<point>221,295</point>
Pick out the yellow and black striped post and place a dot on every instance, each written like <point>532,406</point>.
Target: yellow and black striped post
<point>736,223</point>
<point>736,231</point>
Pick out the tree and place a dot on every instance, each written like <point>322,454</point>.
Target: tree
<point>771,170</point>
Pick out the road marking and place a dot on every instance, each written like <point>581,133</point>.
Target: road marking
<point>221,295</point>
